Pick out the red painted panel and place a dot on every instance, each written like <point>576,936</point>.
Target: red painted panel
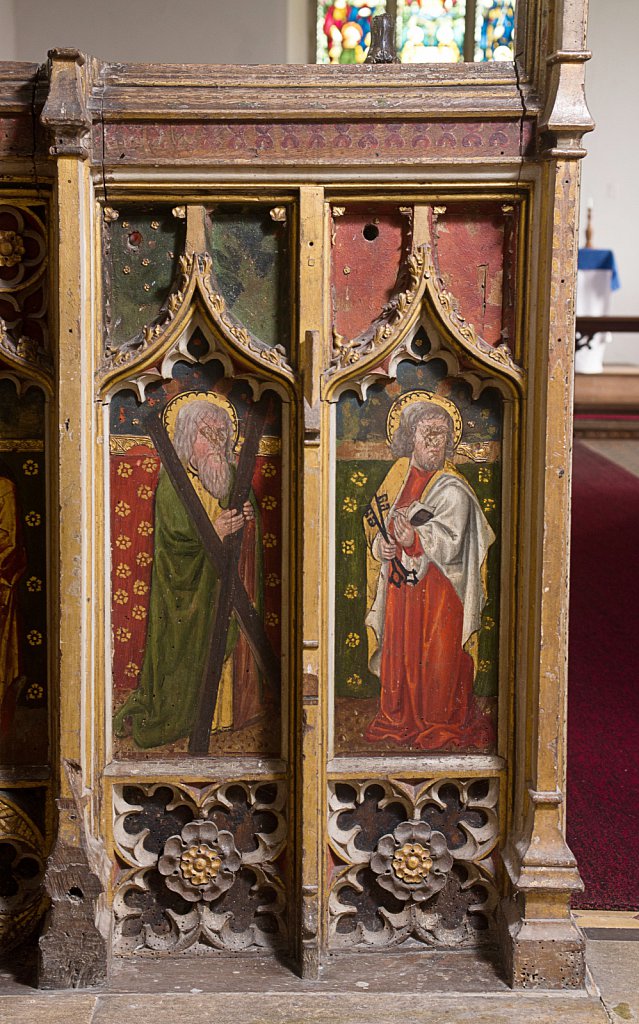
<point>470,254</point>
<point>369,242</point>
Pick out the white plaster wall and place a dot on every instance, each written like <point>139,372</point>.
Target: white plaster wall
<point>610,173</point>
<point>170,31</point>
<point>7,30</point>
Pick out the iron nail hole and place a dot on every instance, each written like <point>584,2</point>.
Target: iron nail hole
<point>370,232</point>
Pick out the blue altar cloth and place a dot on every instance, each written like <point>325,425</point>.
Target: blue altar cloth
<point>600,259</point>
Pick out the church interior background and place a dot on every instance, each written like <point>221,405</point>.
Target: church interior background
<point>289,433</point>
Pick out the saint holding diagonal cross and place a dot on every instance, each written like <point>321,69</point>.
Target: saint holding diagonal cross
<point>190,583</point>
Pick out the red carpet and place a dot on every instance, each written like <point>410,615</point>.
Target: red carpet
<point>603,717</point>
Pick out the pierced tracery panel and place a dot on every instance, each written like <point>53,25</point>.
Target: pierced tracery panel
<point>412,862</point>
<point>200,866</point>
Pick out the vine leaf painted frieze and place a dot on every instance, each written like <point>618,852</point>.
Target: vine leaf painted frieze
<point>201,866</point>
<point>413,862</point>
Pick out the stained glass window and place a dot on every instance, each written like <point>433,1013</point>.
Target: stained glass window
<point>344,30</point>
<point>494,30</point>
<point>431,30</point>
<point>442,31</point>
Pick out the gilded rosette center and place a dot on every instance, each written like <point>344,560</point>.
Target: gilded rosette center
<point>200,864</point>
<point>412,863</point>
<point>11,248</point>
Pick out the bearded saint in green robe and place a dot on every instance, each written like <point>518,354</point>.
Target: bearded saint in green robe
<point>184,593</point>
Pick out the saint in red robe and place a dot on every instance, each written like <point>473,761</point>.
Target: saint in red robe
<point>426,675</point>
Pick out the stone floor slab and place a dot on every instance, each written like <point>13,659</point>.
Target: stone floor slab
<point>615,969</point>
<point>351,1008</point>
<point>53,1008</point>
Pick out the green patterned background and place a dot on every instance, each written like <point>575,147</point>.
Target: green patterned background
<point>357,481</point>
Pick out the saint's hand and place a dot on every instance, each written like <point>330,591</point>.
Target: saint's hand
<point>248,511</point>
<point>404,532</point>
<point>228,522</point>
<point>387,549</point>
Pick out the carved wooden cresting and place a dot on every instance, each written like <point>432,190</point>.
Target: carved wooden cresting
<point>291,351</point>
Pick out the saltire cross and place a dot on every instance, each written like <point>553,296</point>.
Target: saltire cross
<point>375,517</point>
<point>224,556</point>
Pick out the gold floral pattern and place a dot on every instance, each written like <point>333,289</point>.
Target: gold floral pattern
<point>30,468</point>
<point>272,579</point>
<point>138,612</point>
<point>351,592</point>
<point>349,504</point>
<point>34,638</point>
<point>354,681</point>
<point>122,634</point>
<point>488,505</point>
<point>411,863</point>
<point>121,597</point>
<point>484,665</point>
<point>149,464</point>
<point>35,692</point>
<point>485,475</point>
<point>358,478</point>
<point>348,547</point>
<point>143,558</point>
<point>145,528</point>
<point>271,618</point>
<point>34,585</point>
<point>122,571</point>
<point>122,509</point>
<point>489,623</point>
<point>268,470</point>
<point>268,502</point>
<point>144,492</point>
<point>200,864</point>
<point>269,540</point>
<point>140,587</point>
<point>11,248</point>
<point>124,469</point>
<point>122,541</point>
<point>131,670</point>
<point>352,640</point>
<point>33,518</point>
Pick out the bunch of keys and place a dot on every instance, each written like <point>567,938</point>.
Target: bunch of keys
<point>399,574</point>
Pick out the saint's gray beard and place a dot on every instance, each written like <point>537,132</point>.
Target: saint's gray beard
<point>215,474</point>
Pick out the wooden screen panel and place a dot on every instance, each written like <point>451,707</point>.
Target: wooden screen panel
<point>415,666</point>
<point>165,586</point>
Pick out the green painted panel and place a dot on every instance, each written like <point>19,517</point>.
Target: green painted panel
<point>141,255</point>
<point>251,268</point>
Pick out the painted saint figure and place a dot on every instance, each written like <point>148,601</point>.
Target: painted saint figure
<point>185,588</point>
<point>420,631</point>
<point>13,562</point>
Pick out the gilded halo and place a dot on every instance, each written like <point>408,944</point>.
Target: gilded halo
<point>173,407</point>
<point>401,403</point>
